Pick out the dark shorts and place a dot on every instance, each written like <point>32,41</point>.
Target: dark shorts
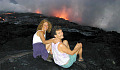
<point>39,49</point>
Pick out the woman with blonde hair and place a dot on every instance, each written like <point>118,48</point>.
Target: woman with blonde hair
<point>41,46</point>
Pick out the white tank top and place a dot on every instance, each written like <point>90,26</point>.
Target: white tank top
<point>59,58</point>
<point>36,38</point>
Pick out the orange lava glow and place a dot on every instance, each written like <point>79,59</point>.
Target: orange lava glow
<point>3,19</point>
<point>38,11</point>
<point>7,13</point>
<point>63,13</point>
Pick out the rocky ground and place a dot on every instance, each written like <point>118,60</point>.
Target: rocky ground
<point>100,48</point>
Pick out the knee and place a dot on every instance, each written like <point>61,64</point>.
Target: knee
<point>81,45</point>
<point>48,45</point>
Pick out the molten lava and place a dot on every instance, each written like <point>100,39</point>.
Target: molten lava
<point>3,19</point>
<point>63,13</point>
<point>38,11</point>
<point>7,13</point>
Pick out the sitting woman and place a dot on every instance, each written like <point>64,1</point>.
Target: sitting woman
<point>41,47</point>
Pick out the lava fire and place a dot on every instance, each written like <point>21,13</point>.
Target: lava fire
<point>62,13</point>
<point>38,11</point>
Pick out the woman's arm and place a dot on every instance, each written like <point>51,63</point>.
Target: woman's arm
<point>41,35</point>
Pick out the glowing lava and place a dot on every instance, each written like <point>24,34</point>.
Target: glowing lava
<point>63,13</point>
<point>38,11</point>
<point>3,19</point>
<point>7,13</point>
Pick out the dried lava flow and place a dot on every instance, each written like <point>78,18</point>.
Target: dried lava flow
<point>2,60</point>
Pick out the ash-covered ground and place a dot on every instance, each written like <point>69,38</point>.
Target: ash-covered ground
<point>100,48</point>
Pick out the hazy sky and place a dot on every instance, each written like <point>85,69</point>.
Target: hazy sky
<point>104,14</point>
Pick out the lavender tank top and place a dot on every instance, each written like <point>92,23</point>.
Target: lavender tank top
<point>58,57</point>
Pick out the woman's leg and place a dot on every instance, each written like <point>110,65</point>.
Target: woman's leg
<point>49,48</point>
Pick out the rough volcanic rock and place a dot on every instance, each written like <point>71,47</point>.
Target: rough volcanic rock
<point>100,48</point>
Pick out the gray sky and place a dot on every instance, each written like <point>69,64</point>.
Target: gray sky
<point>104,14</point>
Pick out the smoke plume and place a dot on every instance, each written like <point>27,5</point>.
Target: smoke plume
<point>98,13</point>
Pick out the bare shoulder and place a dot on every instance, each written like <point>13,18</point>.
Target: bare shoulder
<point>39,32</point>
<point>61,45</point>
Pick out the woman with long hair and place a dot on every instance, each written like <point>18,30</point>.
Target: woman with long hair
<point>41,46</point>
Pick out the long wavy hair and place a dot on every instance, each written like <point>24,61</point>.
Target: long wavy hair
<point>41,25</point>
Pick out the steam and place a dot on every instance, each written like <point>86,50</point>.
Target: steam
<point>6,5</point>
<point>98,13</point>
<point>109,18</point>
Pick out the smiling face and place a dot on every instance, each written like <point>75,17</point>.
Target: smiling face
<point>59,34</point>
<point>45,26</point>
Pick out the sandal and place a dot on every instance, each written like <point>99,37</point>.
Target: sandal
<point>81,59</point>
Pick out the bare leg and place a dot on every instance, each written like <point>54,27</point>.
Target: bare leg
<point>80,51</point>
<point>48,47</point>
<point>66,43</point>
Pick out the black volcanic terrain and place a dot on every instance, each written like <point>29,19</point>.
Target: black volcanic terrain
<point>101,49</point>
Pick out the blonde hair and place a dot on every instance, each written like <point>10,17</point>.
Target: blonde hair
<point>41,25</point>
